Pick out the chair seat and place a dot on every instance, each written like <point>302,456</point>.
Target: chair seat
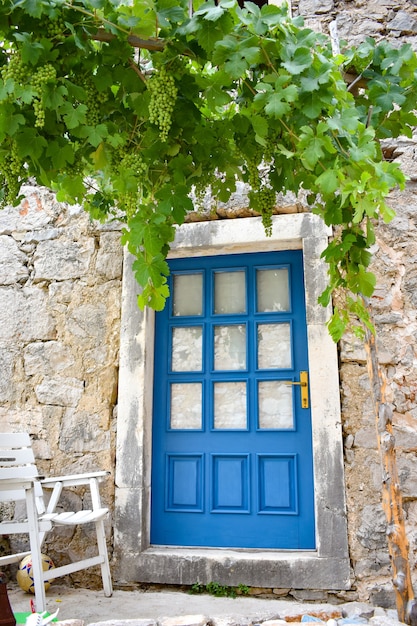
<point>77,517</point>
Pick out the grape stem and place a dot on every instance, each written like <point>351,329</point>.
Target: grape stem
<point>137,70</point>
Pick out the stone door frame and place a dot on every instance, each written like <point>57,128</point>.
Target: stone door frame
<point>135,560</point>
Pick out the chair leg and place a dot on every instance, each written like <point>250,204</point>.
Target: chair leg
<point>105,566</point>
<point>101,540</point>
<point>35,549</point>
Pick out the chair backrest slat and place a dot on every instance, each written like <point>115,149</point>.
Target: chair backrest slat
<point>14,440</point>
<point>16,461</point>
<point>25,471</point>
<point>13,458</point>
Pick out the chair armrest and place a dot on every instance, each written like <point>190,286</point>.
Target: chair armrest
<point>73,480</point>
<point>58,483</point>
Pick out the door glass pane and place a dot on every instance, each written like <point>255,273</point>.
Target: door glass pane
<point>230,405</point>
<point>272,290</point>
<point>274,346</point>
<point>275,404</point>
<point>186,405</point>
<point>187,349</point>
<point>229,292</point>
<point>230,347</point>
<point>188,294</point>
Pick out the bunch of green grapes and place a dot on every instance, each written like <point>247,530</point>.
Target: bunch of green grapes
<point>269,149</point>
<point>267,201</point>
<point>129,202</point>
<point>251,165</point>
<point>54,28</point>
<point>130,162</point>
<point>15,69</point>
<point>77,167</point>
<point>134,162</point>
<point>263,200</point>
<point>12,171</point>
<point>163,97</point>
<point>93,101</point>
<point>40,78</point>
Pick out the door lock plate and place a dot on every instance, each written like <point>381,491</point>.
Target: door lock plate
<point>303,382</point>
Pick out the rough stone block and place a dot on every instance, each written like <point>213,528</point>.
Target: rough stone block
<point>230,621</point>
<point>81,432</point>
<point>31,214</point>
<point>7,361</point>
<point>24,315</point>
<point>109,259</point>
<point>60,391</point>
<point>185,620</point>
<point>62,260</point>
<point>311,7</point>
<point>126,622</point>
<point>372,531</point>
<point>358,609</point>
<point>88,322</point>
<point>403,22</point>
<point>48,358</point>
<point>12,262</point>
<point>274,622</point>
<point>380,620</point>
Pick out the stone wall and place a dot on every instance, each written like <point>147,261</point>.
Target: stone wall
<point>60,295</point>
<point>394,305</point>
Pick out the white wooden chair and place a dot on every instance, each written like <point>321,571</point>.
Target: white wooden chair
<point>19,480</point>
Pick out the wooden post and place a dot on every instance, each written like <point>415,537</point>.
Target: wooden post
<point>391,495</point>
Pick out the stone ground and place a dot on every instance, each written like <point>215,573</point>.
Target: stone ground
<point>82,607</point>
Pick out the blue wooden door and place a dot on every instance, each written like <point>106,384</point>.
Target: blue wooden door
<point>232,445</point>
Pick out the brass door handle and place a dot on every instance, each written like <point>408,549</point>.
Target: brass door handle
<point>303,382</point>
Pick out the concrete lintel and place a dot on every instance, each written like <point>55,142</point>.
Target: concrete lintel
<point>245,234</point>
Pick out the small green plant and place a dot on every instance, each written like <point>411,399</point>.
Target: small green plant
<point>243,590</point>
<point>218,590</point>
<point>197,588</point>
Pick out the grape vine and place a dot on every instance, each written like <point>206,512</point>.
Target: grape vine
<point>136,108</point>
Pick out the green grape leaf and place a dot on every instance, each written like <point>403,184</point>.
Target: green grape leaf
<point>276,105</point>
<point>70,189</point>
<point>328,181</point>
<point>301,59</point>
<point>210,12</point>
<point>94,134</point>
<point>362,281</point>
<point>260,126</point>
<point>60,155</point>
<point>32,7</point>
<point>337,325</point>
<point>30,50</point>
<point>150,270</point>
<point>9,121</point>
<point>73,116</point>
<point>153,297</point>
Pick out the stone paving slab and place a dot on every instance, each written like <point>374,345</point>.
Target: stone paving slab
<point>82,607</point>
